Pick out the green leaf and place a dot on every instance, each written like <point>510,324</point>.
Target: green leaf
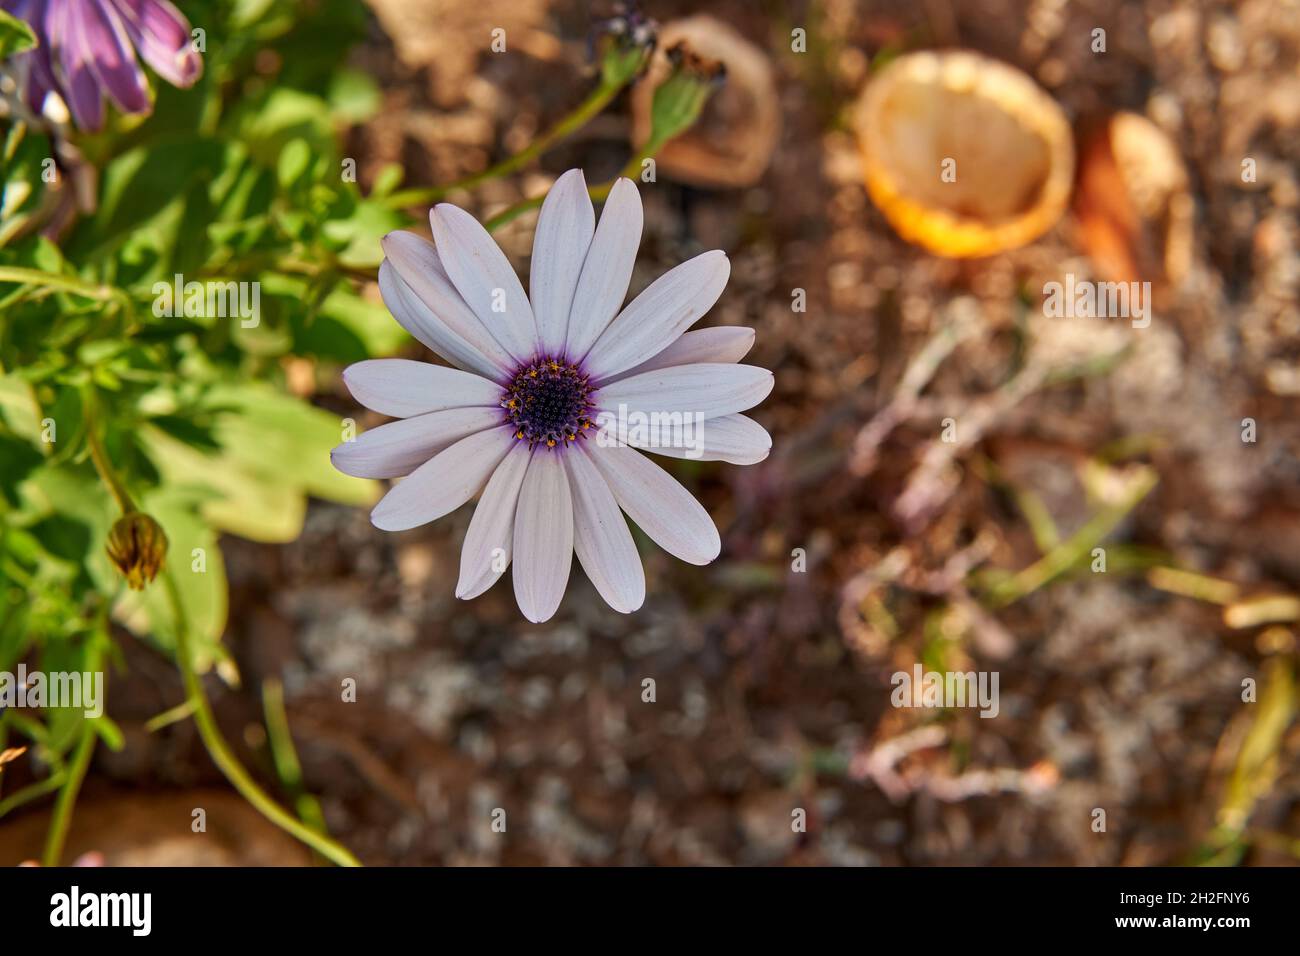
<point>75,494</point>
<point>354,96</point>
<point>228,495</point>
<point>15,35</point>
<point>110,733</point>
<point>18,459</point>
<point>295,158</point>
<point>156,205</point>
<point>386,180</point>
<point>350,328</point>
<point>358,235</point>
<point>269,125</point>
<point>287,440</point>
<point>25,164</point>
<point>18,407</point>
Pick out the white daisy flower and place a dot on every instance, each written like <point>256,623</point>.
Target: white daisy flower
<point>535,415</point>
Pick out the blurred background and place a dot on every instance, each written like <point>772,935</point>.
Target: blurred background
<point>868,541</point>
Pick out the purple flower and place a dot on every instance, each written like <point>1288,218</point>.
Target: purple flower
<point>88,50</point>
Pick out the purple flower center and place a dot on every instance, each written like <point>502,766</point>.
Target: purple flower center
<point>548,401</point>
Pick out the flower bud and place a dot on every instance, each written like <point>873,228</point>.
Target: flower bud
<point>731,144</point>
<point>138,546</point>
<point>624,44</point>
<point>678,100</point>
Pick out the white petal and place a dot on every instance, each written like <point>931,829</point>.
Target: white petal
<point>420,267</point>
<point>444,483</point>
<point>418,319</point>
<point>418,263</point>
<point>560,245</point>
<point>731,438</point>
<point>543,536</point>
<point>601,537</point>
<point>659,504</point>
<point>711,390</point>
<point>607,270</point>
<point>402,388</point>
<point>485,279</point>
<point>653,320</point>
<point>400,447</point>
<point>492,526</point>
<point>722,343</point>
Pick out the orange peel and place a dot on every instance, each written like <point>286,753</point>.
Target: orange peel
<point>1133,202</point>
<point>963,154</point>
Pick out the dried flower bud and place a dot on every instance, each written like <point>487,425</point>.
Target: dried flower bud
<point>138,546</point>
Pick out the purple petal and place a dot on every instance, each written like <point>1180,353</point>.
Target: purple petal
<point>162,35</point>
<point>72,58</point>
<point>112,59</point>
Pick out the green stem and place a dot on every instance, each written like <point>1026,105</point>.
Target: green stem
<point>30,792</point>
<point>100,457</point>
<point>51,280</point>
<point>584,113</point>
<point>172,715</point>
<point>225,758</point>
<point>1073,552</point>
<point>285,757</point>
<point>62,819</point>
<point>598,192</point>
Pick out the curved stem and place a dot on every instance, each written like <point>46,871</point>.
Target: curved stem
<point>100,457</point>
<point>587,110</point>
<point>225,758</point>
<point>62,819</point>
<point>597,193</point>
<point>30,792</point>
